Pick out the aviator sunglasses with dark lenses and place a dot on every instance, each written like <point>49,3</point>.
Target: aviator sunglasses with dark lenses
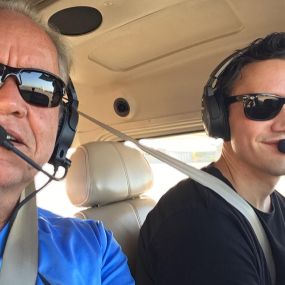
<point>259,106</point>
<point>37,87</point>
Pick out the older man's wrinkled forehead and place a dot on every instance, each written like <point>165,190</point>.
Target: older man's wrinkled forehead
<point>25,44</point>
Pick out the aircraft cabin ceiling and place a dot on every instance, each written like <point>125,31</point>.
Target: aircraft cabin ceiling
<point>154,54</point>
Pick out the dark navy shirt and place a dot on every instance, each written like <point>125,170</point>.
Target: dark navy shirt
<point>193,236</point>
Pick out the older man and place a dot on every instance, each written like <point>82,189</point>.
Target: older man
<point>31,57</point>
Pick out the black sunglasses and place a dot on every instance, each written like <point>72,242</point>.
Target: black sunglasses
<point>37,87</point>
<point>259,106</point>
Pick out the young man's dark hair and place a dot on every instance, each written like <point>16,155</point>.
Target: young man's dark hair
<point>270,47</point>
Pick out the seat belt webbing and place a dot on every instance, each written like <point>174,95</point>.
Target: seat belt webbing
<point>20,258</point>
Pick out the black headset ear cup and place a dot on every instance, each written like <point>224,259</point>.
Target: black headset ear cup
<point>214,110</point>
<point>215,115</point>
<point>66,130</point>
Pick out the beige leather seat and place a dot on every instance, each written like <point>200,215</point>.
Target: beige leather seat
<point>109,178</point>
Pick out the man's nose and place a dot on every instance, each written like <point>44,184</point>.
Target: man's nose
<point>11,101</point>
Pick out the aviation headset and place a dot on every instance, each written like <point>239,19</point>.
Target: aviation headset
<point>66,129</point>
<point>214,111</point>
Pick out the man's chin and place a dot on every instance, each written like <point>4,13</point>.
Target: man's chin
<point>277,171</point>
<point>10,177</point>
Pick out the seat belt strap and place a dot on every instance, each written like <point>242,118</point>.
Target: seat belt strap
<point>212,183</point>
<point>20,258</point>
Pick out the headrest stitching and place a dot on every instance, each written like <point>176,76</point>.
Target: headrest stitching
<point>125,169</point>
<point>88,183</point>
<point>136,213</point>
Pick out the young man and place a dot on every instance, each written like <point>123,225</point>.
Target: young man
<point>31,58</point>
<point>193,236</point>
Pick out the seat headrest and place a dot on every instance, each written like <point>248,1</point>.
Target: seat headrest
<point>107,172</point>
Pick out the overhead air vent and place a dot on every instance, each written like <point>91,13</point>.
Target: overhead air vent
<point>76,21</point>
<point>121,107</point>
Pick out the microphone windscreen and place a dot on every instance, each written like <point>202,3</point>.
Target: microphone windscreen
<point>281,146</point>
<point>3,135</point>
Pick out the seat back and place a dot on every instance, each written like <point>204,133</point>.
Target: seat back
<point>110,178</point>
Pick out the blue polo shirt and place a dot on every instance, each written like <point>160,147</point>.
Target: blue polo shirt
<point>75,252</point>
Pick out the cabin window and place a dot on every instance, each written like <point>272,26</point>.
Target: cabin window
<point>195,149</point>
